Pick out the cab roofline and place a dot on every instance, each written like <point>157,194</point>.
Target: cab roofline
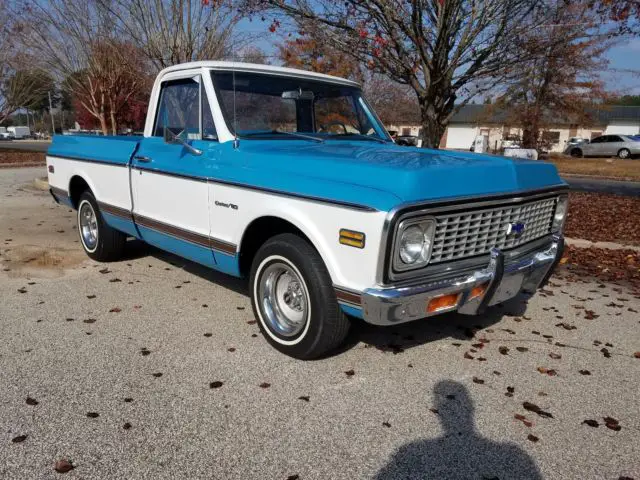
<point>258,68</point>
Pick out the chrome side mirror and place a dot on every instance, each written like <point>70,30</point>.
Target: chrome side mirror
<point>172,138</point>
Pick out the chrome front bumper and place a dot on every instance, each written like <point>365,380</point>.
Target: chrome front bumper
<point>394,305</point>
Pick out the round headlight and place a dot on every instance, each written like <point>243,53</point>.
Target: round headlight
<point>412,244</point>
<point>560,214</point>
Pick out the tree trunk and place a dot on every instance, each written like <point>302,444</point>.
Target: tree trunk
<point>114,122</point>
<point>103,123</point>
<point>434,122</point>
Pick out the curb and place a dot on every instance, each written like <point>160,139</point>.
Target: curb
<point>582,243</point>
<point>599,177</point>
<point>41,183</point>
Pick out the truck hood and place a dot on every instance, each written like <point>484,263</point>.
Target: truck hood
<point>379,175</point>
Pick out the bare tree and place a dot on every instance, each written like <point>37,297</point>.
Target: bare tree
<point>21,85</point>
<point>76,41</point>
<point>177,31</point>
<point>446,51</point>
<point>561,76</point>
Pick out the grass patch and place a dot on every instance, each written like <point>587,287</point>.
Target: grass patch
<point>599,167</point>
<point>20,157</point>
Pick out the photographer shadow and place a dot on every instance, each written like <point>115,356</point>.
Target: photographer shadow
<point>461,452</point>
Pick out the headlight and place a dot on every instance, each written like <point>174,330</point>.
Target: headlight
<point>560,214</point>
<point>415,239</point>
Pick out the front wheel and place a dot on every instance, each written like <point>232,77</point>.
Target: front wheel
<point>293,299</point>
<point>576,153</point>
<point>624,153</point>
<point>99,240</point>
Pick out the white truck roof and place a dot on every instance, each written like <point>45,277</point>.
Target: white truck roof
<point>258,68</point>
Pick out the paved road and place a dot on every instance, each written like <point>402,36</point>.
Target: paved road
<point>136,345</point>
<point>27,145</point>
<point>602,185</point>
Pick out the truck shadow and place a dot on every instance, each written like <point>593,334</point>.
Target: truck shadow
<point>401,337</point>
<point>460,451</point>
<point>137,249</point>
<point>391,338</point>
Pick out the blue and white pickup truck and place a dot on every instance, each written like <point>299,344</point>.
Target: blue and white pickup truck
<point>289,178</point>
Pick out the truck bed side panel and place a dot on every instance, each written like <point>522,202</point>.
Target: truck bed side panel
<point>102,163</point>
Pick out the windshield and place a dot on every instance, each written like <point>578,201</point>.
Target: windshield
<point>271,106</point>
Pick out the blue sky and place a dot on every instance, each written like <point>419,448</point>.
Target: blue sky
<point>625,56</point>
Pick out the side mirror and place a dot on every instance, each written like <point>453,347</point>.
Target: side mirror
<point>173,138</point>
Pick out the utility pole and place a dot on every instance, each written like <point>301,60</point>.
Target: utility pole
<point>53,125</point>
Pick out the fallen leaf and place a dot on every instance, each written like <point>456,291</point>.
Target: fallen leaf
<point>216,384</point>
<point>503,350</point>
<point>104,270</point>
<point>93,414</point>
<point>31,401</point>
<point>304,398</point>
<point>532,438</point>
<point>265,385</point>
<point>126,426</point>
<point>89,320</point>
<point>63,466</point>
<point>555,356</point>
<point>115,310</point>
<point>19,439</point>
<point>522,349</point>
<point>157,375</point>
<point>349,373</point>
<point>386,424</point>
<point>91,297</point>
<point>478,380</point>
<point>585,372</point>
<point>591,423</point>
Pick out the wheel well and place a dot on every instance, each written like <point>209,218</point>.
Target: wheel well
<point>625,148</point>
<point>76,187</point>
<point>258,232</point>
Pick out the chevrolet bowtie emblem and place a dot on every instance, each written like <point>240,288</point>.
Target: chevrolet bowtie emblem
<point>515,229</point>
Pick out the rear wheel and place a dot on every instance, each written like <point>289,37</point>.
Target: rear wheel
<point>294,300</point>
<point>99,240</point>
<point>624,153</point>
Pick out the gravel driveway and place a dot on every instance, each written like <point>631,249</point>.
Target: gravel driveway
<point>154,368</point>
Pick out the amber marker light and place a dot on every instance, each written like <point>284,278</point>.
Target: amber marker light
<point>443,302</point>
<point>352,238</point>
<point>478,291</point>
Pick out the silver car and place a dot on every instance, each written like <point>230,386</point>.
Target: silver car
<point>622,146</point>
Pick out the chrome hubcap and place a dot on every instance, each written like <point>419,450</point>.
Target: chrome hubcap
<point>284,299</point>
<point>624,154</point>
<point>88,226</point>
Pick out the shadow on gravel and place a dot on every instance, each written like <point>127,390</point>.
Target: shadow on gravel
<point>137,249</point>
<point>418,332</point>
<point>461,451</point>
<point>394,339</point>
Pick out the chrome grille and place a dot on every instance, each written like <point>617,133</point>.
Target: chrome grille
<point>466,234</point>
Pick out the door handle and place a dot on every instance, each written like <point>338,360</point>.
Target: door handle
<point>142,159</point>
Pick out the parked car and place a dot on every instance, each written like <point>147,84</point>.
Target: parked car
<point>407,140</point>
<point>5,136</point>
<point>622,146</point>
<point>325,225</point>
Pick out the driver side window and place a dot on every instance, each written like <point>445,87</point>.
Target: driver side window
<point>183,106</point>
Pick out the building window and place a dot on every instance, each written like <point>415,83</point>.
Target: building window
<point>406,131</point>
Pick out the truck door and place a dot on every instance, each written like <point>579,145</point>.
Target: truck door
<point>169,180</point>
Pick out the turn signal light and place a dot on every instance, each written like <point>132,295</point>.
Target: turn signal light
<point>442,303</point>
<point>352,238</point>
<point>478,291</point>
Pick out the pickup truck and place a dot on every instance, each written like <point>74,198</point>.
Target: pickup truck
<point>288,178</point>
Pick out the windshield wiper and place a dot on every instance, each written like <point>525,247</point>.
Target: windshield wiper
<point>293,134</point>
<point>359,135</point>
